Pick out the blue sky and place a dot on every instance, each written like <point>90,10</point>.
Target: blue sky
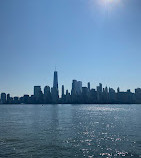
<point>87,40</point>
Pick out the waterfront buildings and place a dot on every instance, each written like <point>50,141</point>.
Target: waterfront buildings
<point>79,95</point>
<point>3,98</point>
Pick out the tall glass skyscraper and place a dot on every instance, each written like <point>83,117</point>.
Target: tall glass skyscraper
<point>54,90</point>
<point>55,80</point>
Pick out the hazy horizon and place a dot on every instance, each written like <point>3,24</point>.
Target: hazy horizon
<point>96,41</point>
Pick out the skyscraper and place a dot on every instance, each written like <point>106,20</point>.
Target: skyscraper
<point>54,90</point>
<point>38,95</point>
<point>46,90</point>
<point>99,92</point>
<point>76,87</point>
<point>37,91</point>
<point>8,98</point>
<point>89,86</point>
<point>3,98</point>
<point>55,80</point>
<point>118,90</point>
<point>47,95</point>
<point>79,87</point>
<point>62,91</point>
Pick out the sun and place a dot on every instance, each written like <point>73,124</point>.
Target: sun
<point>106,6</point>
<point>109,4</point>
<point>110,1</point>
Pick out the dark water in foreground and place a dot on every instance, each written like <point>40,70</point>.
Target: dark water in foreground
<point>68,131</point>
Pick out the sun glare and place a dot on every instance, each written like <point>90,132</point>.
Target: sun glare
<point>105,7</point>
<point>108,4</point>
<point>108,1</point>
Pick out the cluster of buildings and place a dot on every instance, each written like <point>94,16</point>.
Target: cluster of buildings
<point>78,95</point>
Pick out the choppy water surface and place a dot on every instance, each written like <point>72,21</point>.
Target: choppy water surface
<point>63,131</point>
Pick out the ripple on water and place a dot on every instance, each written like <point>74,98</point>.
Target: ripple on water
<point>70,131</point>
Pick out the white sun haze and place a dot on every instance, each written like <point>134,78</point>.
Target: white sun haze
<point>106,4</point>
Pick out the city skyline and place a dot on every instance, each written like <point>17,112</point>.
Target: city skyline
<point>59,86</point>
<point>95,40</point>
<point>70,78</point>
<point>79,94</point>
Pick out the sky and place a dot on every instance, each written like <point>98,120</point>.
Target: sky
<point>97,41</point>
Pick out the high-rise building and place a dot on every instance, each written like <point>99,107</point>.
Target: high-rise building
<point>138,95</point>
<point>62,91</point>
<point>99,92</point>
<point>100,87</point>
<point>67,92</point>
<point>55,80</point>
<point>118,90</point>
<point>47,95</point>
<point>8,98</point>
<point>37,91</point>
<point>54,90</point>
<point>79,87</point>
<point>89,86</point>
<point>106,90</point>
<point>112,95</point>
<point>3,98</point>
<point>76,87</point>
<point>46,90</point>
<point>38,95</point>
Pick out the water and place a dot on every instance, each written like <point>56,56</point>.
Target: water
<point>68,131</point>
